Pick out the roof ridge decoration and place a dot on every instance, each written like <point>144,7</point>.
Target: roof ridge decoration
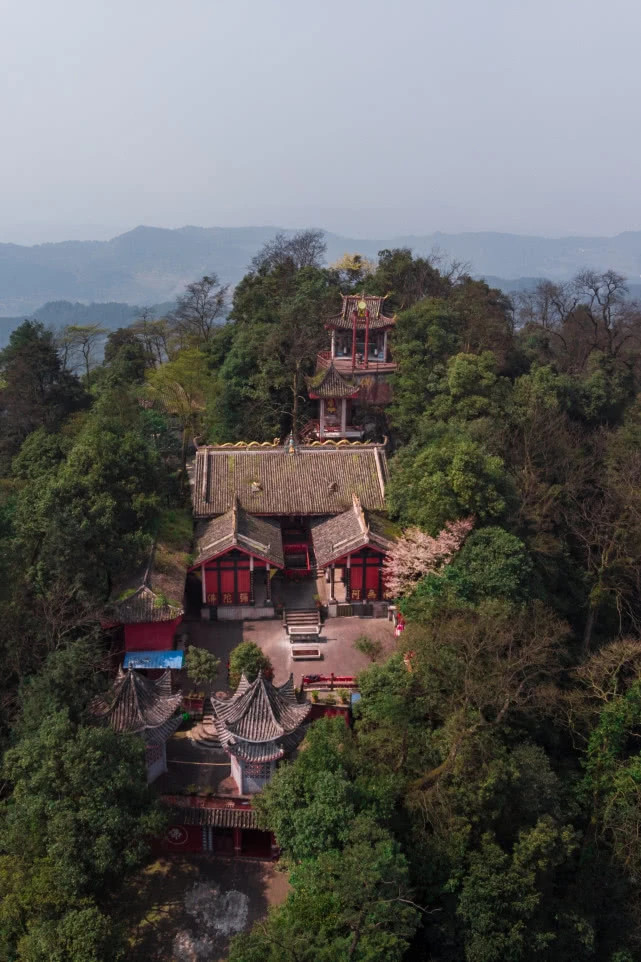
<point>234,518</point>
<point>360,515</point>
<point>139,705</point>
<point>370,315</point>
<point>241,446</point>
<point>261,721</point>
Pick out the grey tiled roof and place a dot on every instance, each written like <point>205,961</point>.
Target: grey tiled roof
<point>329,383</point>
<point>153,593</point>
<point>237,528</point>
<point>219,817</point>
<point>377,320</point>
<point>260,722</point>
<point>144,605</point>
<point>316,479</point>
<point>336,536</point>
<point>139,705</point>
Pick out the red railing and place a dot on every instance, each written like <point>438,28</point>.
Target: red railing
<point>344,364</point>
<point>329,681</point>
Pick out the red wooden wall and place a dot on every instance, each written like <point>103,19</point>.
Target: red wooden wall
<point>151,635</point>
<point>227,579</point>
<point>366,574</point>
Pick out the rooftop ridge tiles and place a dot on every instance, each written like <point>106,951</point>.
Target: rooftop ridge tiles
<point>259,705</point>
<point>136,704</point>
<point>271,481</point>
<point>245,702</point>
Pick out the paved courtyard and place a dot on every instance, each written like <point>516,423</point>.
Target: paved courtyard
<point>196,763</point>
<point>336,642</point>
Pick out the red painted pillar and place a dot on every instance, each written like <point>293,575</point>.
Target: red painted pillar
<point>366,336</point>
<point>353,340</point>
<point>238,841</point>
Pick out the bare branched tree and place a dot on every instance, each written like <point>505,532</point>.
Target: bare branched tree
<point>153,333</point>
<point>591,313</point>
<point>199,311</point>
<point>80,344</point>
<point>483,667</point>
<point>604,517</point>
<point>303,249</point>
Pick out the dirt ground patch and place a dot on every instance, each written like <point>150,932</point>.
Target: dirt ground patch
<point>187,909</point>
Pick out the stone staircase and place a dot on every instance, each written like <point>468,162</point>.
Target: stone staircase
<point>203,735</point>
<point>302,623</point>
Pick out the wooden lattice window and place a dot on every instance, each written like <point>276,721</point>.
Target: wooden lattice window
<point>258,769</point>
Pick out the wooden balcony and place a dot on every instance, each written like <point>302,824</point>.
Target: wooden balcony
<point>344,364</point>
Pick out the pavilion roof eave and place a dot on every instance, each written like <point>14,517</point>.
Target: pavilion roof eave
<point>203,559</point>
<point>237,529</point>
<point>348,547</point>
<point>316,397</point>
<point>340,535</point>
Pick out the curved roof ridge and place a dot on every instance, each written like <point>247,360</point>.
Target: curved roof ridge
<point>251,709</point>
<point>135,703</point>
<point>259,712</point>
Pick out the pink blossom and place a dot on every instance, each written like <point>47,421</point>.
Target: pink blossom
<point>417,554</point>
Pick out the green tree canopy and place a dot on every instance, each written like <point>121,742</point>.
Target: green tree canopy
<point>491,564</point>
<point>201,666</point>
<point>35,391</point>
<point>350,904</point>
<point>78,819</point>
<point>248,659</point>
<point>452,476</point>
<point>89,521</point>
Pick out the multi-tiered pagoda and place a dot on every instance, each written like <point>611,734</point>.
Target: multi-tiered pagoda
<point>141,706</point>
<point>355,369</point>
<point>257,726</point>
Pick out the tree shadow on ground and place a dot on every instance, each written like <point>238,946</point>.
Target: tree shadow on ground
<point>187,908</point>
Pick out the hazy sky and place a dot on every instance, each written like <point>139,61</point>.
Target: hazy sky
<point>367,117</point>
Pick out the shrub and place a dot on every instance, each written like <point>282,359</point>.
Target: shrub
<point>367,646</point>
<point>202,667</point>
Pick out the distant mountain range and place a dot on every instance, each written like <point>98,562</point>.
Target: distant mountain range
<point>150,265</point>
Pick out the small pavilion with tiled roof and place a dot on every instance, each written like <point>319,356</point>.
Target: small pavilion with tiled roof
<point>141,706</point>
<point>358,362</point>
<point>148,605</point>
<point>359,333</point>
<point>335,394</point>
<point>257,726</point>
<point>355,542</point>
<point>228,550</point>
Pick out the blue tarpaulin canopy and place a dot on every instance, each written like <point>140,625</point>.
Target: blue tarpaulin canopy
<point>154,659</point>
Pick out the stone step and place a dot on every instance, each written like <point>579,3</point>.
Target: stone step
<point>204,734</point>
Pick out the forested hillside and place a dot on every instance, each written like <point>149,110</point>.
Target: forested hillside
<point>485,806</point>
